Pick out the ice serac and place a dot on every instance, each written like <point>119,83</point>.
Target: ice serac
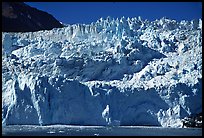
<point>124,71</point>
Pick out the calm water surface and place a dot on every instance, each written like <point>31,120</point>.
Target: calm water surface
<point>67,130</point>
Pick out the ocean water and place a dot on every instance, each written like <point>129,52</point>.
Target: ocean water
<point>69,130</point>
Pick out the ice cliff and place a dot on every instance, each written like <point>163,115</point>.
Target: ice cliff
<point>124,71</point>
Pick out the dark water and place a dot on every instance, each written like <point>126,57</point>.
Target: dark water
<point>65,130</point>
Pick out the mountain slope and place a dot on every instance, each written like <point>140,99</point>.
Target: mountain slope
<point>19,17</point>
<point>124,71</point>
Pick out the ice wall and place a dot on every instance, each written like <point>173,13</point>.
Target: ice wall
<point>111,72</point>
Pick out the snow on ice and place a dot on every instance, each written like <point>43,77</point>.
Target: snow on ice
<point>124,71</point>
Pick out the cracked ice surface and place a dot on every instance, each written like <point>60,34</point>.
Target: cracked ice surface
<point>124,71</point>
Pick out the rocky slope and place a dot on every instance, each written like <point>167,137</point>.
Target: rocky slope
<point>19,17</point>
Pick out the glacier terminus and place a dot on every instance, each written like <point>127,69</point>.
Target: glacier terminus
<point>115,72</point>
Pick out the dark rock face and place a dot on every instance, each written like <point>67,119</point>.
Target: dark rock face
<point>19,17</point>
<point>193,121</point>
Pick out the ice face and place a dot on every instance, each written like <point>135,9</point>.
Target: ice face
<point>111,72</point>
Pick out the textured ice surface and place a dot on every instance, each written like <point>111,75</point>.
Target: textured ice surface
<point>111,72</point>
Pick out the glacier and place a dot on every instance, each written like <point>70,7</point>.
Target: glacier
<point>118,72</point>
